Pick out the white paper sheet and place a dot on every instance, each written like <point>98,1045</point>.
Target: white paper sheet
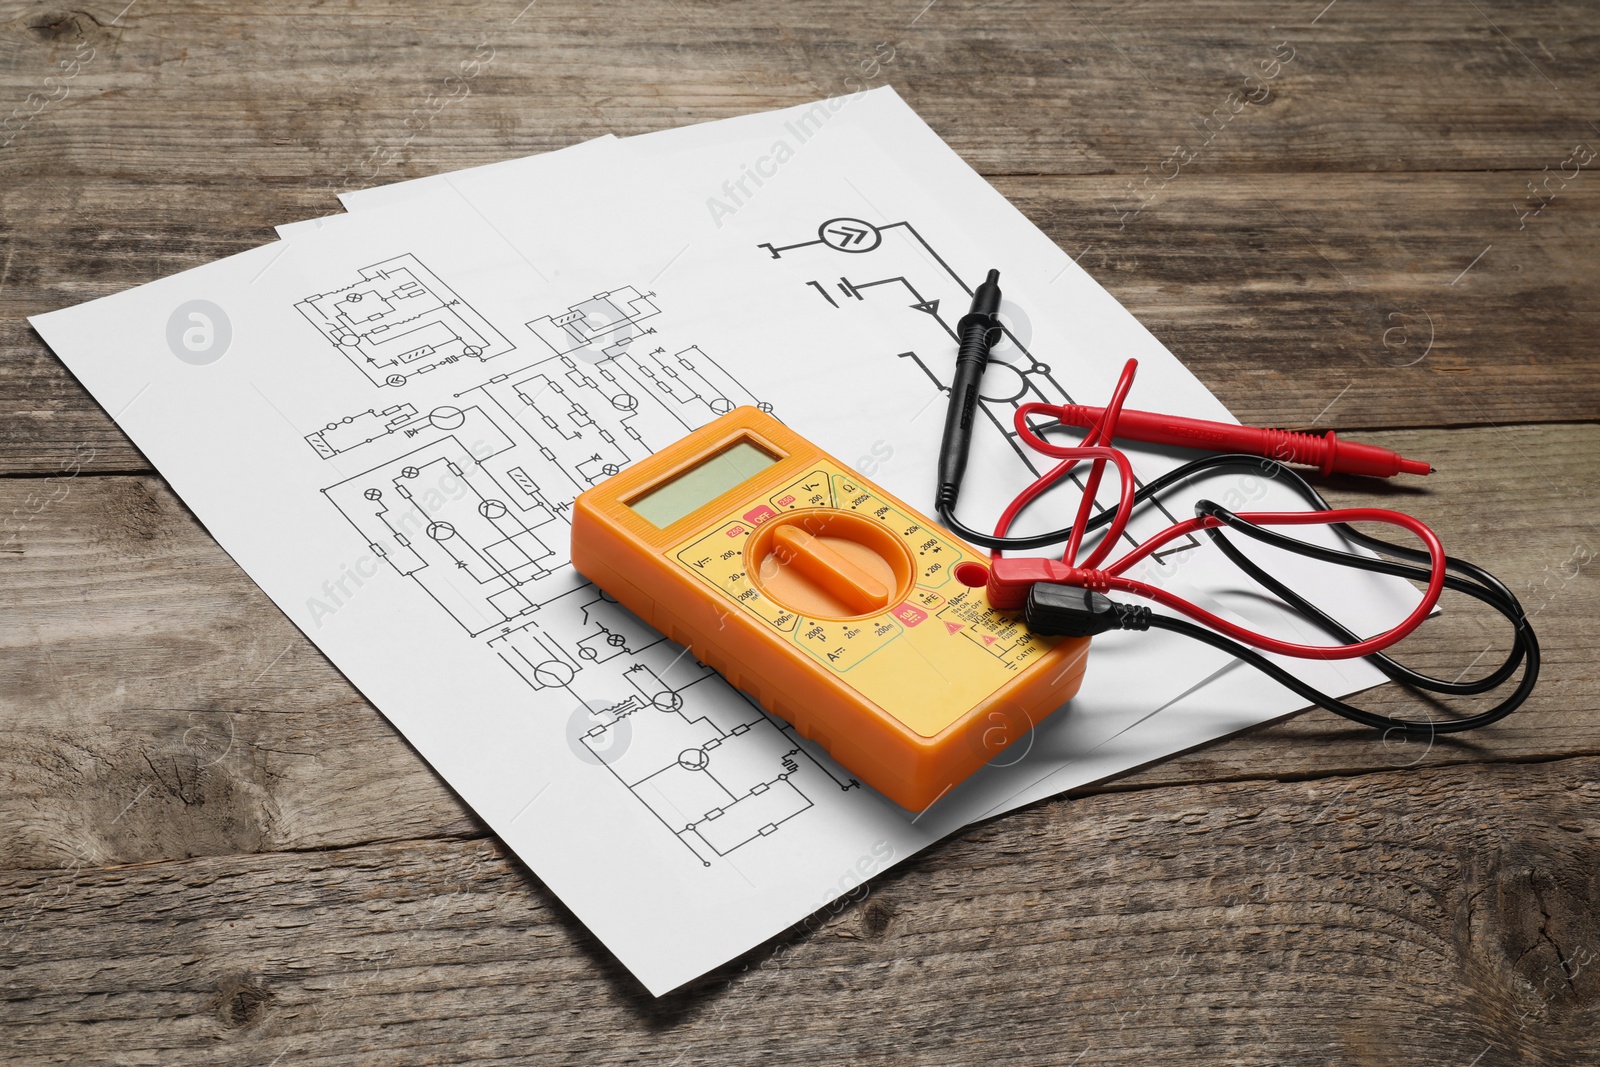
<point>384,419</point>
<point>864,153</point>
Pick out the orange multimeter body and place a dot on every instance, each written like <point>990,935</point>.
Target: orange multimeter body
<point>831,602</point>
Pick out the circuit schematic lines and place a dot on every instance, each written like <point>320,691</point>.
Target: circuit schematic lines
<point>470,500</point>
<point>399,320</point>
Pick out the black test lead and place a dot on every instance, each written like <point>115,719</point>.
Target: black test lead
<point>1067,598</point>
<point>977,332</point>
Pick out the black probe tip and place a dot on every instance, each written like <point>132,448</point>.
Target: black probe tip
<point>986,300</point>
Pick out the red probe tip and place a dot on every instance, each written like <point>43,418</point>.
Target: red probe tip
<point>1414,466</point>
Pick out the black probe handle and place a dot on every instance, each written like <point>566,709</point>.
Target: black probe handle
<point>976,330</point>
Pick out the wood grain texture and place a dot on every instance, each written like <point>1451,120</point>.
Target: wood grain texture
<point>1381,919</point>
<point>1075,110</point>
<point>1016,86</point>
<point>212,849</point>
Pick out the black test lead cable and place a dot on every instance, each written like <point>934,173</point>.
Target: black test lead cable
<point>1073,611</point>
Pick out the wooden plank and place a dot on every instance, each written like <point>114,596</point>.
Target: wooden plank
<point>1088,90</point>
<point>205,844</point>
<point>1433,916</point>
<point>160,706</point>
<point>1351,301</point>
<point>1020,87</point>
<point>1322,301</point>
<point>165,707</point>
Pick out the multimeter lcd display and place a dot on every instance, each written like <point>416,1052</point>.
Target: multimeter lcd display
<point>667,503</point>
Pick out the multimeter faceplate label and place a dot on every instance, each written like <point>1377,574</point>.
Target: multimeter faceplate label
<point>928,658</point>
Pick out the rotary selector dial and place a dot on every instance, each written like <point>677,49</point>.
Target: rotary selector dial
<point>825,563</point>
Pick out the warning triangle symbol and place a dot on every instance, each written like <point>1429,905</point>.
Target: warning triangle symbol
<point>930,306</point>
<point>953,627</point>
<point>988,639</point>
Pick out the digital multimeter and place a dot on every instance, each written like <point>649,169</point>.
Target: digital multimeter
<point>831,602</point>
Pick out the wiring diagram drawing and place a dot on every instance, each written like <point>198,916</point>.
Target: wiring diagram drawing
<point>471,501</point>
<point>399,320</point>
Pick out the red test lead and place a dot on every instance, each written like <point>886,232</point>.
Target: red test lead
<point>1073,596</point>
<point>1327,453</point>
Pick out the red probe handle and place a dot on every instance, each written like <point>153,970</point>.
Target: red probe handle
<point>1327,453</point>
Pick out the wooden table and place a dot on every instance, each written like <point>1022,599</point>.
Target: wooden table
<point>215,851</point>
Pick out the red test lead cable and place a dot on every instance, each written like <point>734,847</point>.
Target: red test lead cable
<point>1010,578</point>
<point>1067,596</point>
